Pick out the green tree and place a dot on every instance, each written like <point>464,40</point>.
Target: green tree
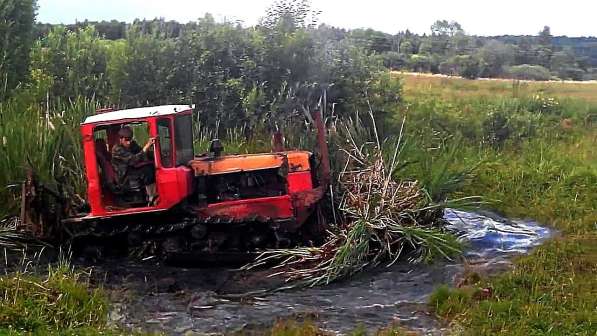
<point>408,43</point>
<point>494,56</point>
<point>564,64</point>
<point>16,36</point>
<point>544,49</point>
<point>75,60</point>
<point>445,28</point>
<point>545,37</point>
<point>140,76</point>
<point>215,63</point>
<point>371,40</point>
<point>446,38</point>
<point>466,66</point>
<point>421,63</point>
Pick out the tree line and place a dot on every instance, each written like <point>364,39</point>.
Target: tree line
<point>447,50</point>
<point>275,71</point>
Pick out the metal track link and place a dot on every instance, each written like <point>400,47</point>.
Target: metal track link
<point>101,230</point>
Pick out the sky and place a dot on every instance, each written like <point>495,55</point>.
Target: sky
<point>481,17</point>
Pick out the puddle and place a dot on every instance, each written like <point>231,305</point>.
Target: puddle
<point>186,301</point>
<point>489,235</point>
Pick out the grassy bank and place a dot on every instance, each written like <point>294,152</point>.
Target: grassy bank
<point>553,290</point>
<point>62,300</point>
<point>549,174</point>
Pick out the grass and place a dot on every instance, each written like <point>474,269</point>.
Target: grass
<point>550,175</point>
<point>57,300</point>
<point>60,301</point>
<point>44,137</point>
<point>449,88</point>
<point>553,290</point>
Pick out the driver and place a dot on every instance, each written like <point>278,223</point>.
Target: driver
<point>131,162</point>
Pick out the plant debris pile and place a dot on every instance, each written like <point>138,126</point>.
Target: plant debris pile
<point>381,219</point>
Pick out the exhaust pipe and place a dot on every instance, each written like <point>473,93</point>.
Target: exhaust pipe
<point>324,167</point>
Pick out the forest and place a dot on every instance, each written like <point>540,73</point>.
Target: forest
<point>446,49</point>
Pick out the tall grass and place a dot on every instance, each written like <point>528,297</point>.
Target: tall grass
<point>44,137</point>
<point>60,301</point>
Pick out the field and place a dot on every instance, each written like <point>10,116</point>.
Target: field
<point>527,148</point>
<point>454,87</point>
<point>550,176</point>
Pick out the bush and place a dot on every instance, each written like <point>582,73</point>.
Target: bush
<point>462,65</point>
<point>393,60</point>
<point>528,72</point>
<point>420,63</point>
<point>571,73</point>
<point>74,61</point>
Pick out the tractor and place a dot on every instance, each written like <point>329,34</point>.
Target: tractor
<point>208,203</point>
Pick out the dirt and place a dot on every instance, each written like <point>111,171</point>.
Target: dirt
<point>185,301</point>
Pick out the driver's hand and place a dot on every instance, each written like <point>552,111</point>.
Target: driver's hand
<point>149,143</point>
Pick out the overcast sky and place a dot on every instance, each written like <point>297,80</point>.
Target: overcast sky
<point>496,17</point>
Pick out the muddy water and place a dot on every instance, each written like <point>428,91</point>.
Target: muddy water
<point>184,301</point>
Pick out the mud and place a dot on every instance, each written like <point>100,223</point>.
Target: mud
<point>187,301</point>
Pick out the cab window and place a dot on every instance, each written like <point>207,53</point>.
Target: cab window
<point>165,142</point>
<point>184,139</point>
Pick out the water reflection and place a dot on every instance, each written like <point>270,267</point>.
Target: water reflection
<point>490,235</point>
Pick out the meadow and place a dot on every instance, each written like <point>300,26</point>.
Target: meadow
<point>545,169</point>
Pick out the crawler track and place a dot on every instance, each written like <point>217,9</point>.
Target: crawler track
<point>174,237</point>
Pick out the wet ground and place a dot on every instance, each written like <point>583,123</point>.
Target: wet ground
<point>188,301</point>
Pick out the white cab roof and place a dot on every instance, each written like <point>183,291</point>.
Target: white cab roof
<point>136,113</point>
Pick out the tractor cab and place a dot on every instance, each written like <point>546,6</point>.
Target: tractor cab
<point>167,159</point>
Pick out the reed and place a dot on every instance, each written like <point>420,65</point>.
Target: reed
<point>44,137</point>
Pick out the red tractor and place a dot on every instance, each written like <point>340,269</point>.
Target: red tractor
<point>208,203</point>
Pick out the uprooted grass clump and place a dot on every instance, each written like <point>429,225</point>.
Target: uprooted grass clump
<point>380,220</point>
<point>10,238</point>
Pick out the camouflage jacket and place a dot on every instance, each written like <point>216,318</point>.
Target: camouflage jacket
<point>125,158</point>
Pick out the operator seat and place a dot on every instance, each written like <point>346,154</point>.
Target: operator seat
<point>104,159</point>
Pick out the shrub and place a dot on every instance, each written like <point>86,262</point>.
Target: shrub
<point>528,72</point>
<point>466,66</point>
<point>540,103</point>
<point>393,60</point>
